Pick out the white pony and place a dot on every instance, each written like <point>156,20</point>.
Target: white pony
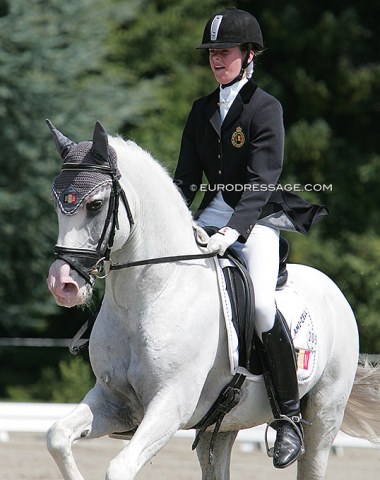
<point>159,346</point>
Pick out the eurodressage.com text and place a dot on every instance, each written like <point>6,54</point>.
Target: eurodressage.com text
<point>256,187</point>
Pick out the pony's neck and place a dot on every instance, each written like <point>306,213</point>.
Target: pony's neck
<point>163,224</point>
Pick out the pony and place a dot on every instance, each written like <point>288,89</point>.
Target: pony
<point>159,346</point>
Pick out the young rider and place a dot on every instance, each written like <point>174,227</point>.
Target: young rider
<point>235,136</point>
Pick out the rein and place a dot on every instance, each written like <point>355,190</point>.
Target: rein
<point>158,260</point>
<point>150,261</point>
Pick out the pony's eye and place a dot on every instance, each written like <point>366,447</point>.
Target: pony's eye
<point>94,206</point>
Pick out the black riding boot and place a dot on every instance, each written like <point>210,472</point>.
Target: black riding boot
<point>282,370</point>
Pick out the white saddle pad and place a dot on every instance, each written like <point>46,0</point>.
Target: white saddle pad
<point>301,324</point>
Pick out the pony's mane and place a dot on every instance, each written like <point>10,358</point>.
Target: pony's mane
<point>140,162</point>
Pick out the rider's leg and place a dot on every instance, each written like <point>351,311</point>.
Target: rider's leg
<point>262,253</point>
<point>280,361</point>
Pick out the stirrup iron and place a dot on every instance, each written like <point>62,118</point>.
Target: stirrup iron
<point>296,421</point>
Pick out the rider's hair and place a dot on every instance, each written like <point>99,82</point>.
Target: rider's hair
<point>253,46</point>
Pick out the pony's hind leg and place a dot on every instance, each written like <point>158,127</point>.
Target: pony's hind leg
<point>92,418</point>
<point>324,407</point>
<point>219,469</point>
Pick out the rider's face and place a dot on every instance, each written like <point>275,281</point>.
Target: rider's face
<point>226,63</point>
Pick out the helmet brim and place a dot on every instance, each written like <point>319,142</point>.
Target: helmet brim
<point>217,45</point>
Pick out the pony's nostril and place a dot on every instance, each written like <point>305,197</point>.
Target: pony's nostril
<point>70,289</point>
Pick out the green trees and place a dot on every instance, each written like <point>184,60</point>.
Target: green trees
<point>323,63</point>
<point>160,46</point>
<point>53,63</point>
<point>133,65</point>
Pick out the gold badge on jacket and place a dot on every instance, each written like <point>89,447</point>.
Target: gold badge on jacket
<point>238,138</point>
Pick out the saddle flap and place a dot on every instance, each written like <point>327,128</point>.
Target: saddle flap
<point>240,291</point>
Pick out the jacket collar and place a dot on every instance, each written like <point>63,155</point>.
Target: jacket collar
<point>212,110</point>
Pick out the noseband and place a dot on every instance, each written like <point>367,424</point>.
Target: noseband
<point>89,263</point>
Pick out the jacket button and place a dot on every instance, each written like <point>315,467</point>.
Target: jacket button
<point>248,230</point>
<point>220,172</point>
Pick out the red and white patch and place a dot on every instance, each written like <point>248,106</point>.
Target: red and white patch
<point>303,359</point>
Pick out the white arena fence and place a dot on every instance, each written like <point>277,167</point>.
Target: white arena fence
<point>38,417</point>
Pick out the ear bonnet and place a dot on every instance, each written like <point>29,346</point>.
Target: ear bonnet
<point>73,185</point>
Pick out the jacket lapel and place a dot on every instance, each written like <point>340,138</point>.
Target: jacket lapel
<point>234,111</point>
<point>243,97</point>
<point>212,108</point>
<point>212,111</point>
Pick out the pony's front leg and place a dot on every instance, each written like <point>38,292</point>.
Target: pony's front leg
<point>61,436</point>
<point>161,421</point>
<point>90,419</point>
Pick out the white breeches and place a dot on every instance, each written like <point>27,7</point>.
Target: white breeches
<point>261,252</point>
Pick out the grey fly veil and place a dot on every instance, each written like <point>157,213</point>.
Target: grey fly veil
<point>73,185</point>
<point>88,166</point>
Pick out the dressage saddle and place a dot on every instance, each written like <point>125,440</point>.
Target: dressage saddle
<point>241,293</point>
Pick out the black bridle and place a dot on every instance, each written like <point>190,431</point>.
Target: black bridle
<point>88,263</point>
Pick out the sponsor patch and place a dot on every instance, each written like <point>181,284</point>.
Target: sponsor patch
<point>303,359</point>
<point>70,199</point>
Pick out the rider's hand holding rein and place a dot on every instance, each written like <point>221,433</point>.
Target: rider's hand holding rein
<point>220,241</point>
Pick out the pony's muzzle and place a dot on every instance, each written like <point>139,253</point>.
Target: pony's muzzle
<point>63,287</point>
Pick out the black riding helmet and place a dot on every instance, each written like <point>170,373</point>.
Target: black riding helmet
<point>230,28</point>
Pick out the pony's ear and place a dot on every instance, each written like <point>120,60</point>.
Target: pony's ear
<point>100,143</point>
<point>62,143</point>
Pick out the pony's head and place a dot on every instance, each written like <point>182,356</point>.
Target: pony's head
<point>86,193</point>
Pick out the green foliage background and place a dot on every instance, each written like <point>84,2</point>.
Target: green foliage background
<point>133,65</point>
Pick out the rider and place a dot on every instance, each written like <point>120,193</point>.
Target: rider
<point>235,136</point>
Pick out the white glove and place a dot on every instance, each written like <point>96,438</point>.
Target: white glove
<point>220,241</point>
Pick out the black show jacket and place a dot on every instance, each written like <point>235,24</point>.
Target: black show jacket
<point>242,158</point>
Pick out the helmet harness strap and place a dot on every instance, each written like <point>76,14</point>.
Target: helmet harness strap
<point>243,67</point>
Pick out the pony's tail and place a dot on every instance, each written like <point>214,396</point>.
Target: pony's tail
<point>362,414</point>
